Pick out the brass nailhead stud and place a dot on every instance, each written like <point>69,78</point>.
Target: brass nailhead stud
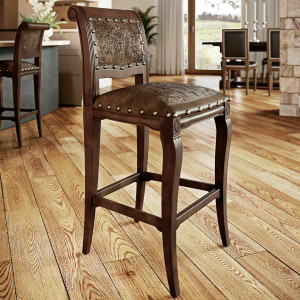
<point>129,110</point>
<point>118,108</point>
<point>93,31</point>
<point>122,20</point>
<point>137,64</point>
<point>115,20</point>
<point>99,19</point>
<point>144,62</point>
<point>114,67</point>
<point>200,108</point>
<point>143,53</point>
<point>141,31</point>
<point>138,21</point>
<point>169,115</point>
<point>142,42</point>
<point>90,19</point>
<point>107,19</point>
<point>95,44</point>
<point>129,66</point>
<point>21,70</point>
<point>175,115</point>
<point>104,67</point>
<point>97,68</point>
<point>122,68</point>
<point>154,113</point>
<point>142,111</point>
<point>99,105</point>
<point>96,56</point>
<point>108,106</point>
<point>188,112</point>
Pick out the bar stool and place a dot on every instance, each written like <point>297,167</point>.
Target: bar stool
<point>235,56</point>
<point>113,44</point>
<point>28,45</point>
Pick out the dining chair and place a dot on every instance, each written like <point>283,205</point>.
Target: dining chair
<point>273,55</point>
<point>114,45</point>
<point>28,45</point>
<point>235,56</point>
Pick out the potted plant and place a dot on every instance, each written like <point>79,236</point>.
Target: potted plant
<point>43,13</point>
<point>149,25</point>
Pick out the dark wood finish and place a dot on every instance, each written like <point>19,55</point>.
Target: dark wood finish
<point>247,66</point>
<point>253,46</point>
<point>223,139</point>
<point>28,45</point>
<point>169,128</point>
<point>270,60</point>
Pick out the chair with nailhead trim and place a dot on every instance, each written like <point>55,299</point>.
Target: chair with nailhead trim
<point>113,45</point>
<point>28,45</point>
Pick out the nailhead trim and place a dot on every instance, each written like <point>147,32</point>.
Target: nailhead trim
<point>169,115</point>
<point>129,66</point>
<point>137,64</point>
<point>118,108</point>
<point>114,67</point>
<point>142,111</point>
<point>155,113</point>
<point>121,68</point>
<point>97,67</point>
<point>175,115</point>
<point>99,19</point>
<point>104,67</point>
<point>99,105</point>
<point>188,112</point>
<point>108,106</point>
<point>144,62</point>
<point>129,110</point>
<point>96,56</point>
<point>107,19</point>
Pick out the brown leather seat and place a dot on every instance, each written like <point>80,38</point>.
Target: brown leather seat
<point>162,99</point>
<point>6,66</point>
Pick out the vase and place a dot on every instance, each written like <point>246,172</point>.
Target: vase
<point>47,34</point>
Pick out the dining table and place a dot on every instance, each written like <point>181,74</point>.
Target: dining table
<point>237,81</point>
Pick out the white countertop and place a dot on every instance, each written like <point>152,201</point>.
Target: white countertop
<point>45,43</point>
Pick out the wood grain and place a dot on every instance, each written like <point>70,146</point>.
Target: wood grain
<point>7,285</point>
<point>276,276</point>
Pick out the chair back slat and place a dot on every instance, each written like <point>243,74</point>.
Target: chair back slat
<point>113,44</point>
<point>28,42</point>
<point>273,43</point>
<point>235,44</point>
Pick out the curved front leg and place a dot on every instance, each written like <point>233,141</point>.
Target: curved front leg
<point>172,159</point>
<point>224,132</point>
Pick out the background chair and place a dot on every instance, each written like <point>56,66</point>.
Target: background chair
<point>28,45</point>
<point>273,55</point>
<point>114,45</point>
<point>235,55</point>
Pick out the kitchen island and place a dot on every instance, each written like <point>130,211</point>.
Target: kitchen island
<point>49,81</point>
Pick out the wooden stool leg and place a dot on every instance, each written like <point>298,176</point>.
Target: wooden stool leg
<point>224,81</point>
<point>224,130</point>
<point>247,82</point>
<point>142,161</point>
<point>172,159</point>
<point>1,99</point>
<point>270,76</point>
<point>263,73</point>
<point>92,130</point>
<point>255,80</point>
<point>37,96</point>
<point>17,95</point>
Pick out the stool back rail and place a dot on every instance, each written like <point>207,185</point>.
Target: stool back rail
<point>28,45</point>
<point>104,34</point>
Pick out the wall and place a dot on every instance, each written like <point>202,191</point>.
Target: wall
<point>143,5</point>
<point>290,58</point>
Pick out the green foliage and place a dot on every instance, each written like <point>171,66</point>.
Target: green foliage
<point>148,24</point>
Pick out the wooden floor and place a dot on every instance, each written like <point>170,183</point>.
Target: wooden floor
<point>42,208</point>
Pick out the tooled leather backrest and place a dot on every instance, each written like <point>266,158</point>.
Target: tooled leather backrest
<point>273,43</point>
<point>113,45</point>
<point>28,43</point>
<point>235,44</point>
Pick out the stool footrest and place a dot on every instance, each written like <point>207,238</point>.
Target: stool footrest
<point>118,185</point>
<point>200,203</point>
<point>194,184</point>
<point>128,211</point>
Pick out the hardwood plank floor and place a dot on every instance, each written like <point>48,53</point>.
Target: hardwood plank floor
<point>42,209</point>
